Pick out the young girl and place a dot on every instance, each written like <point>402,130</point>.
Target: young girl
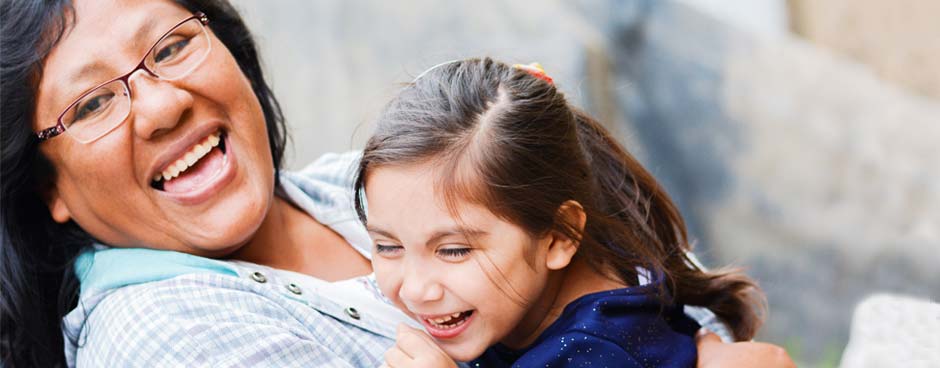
<point>518,232</point>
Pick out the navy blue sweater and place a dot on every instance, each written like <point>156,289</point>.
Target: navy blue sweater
<point>616,328</point>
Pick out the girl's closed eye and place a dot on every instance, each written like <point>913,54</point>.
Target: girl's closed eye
<point>389,251</point>
<point>454,254</point>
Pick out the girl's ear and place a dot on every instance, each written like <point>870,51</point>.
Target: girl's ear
<point>563,248</point>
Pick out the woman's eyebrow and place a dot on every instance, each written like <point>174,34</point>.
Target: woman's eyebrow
<point>82,73</point>
<point>139,39</point>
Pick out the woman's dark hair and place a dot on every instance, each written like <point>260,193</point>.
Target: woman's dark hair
<point>504,139</point>
<point>36,255</point>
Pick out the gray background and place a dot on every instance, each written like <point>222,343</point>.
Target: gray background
<point>799,164</point>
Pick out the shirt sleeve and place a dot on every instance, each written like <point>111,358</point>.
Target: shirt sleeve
<point>180,324</point>
<point>337,169</point>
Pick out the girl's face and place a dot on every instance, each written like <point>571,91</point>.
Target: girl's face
<point>106,185</point>
<point>471,282</point>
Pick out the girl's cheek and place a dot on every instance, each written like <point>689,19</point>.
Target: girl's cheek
<point>386,279</point>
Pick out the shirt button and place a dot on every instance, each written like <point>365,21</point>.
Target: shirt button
<point>352,313</point>
<point>294,288</point>
<point>259,277</point>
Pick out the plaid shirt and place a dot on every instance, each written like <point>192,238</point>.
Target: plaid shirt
<point>151,308</point>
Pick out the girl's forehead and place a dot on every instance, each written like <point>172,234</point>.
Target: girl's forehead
<point>410,195</point>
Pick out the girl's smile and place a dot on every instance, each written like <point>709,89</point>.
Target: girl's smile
<point>448,325</point>
<point>471,282</point>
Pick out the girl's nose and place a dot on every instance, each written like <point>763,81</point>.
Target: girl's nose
<point>156,106</point>
<point>419,285</point>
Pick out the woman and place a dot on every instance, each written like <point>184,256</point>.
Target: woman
<point>214,257</point>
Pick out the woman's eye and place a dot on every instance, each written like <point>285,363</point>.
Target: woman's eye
<point>171,50</point>
<point>454,253</point>
<point>91,106</point>
<point>388,250</point>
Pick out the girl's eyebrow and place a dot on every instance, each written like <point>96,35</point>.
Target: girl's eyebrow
<point>436,236</point>
<point>459,231</point>
<point>375,230</point>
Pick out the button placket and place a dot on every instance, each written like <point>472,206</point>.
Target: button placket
<point>292,287</point>
<point>258,277</point>
<point>352,313</point>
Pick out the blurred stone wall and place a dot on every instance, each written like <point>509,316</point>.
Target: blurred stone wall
<point>333,64</point>
<point>800,164</point>
<point>898,38</point>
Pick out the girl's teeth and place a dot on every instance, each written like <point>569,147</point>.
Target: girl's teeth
<point>445,319</point>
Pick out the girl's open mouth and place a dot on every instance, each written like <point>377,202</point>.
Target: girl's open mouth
<point>447,326</point>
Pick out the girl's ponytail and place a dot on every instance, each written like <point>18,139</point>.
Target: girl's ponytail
<point>630,194</point>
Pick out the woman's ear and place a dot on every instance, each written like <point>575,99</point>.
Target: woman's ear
<point>57,208</point>
<point>563,248</point>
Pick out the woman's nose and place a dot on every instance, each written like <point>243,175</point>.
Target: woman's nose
<point>156,106</point>
<point>419,285</point>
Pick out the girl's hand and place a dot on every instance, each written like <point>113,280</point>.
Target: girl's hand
<point>414,348</point>
<point>712,352</point>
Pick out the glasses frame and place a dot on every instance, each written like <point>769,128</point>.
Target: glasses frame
<point>59,128</point>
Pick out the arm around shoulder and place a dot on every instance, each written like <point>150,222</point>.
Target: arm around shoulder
<point>151,326</point>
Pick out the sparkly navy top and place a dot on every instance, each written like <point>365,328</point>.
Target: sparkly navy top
<point>616,328</point>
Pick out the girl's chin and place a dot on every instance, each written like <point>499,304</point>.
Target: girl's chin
<point>463,353</point>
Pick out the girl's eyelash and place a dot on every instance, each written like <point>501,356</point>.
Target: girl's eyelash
<point>454,252</point>
<point>379,248</point>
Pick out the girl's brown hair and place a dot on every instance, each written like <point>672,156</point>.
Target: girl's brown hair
<point>509,141</point>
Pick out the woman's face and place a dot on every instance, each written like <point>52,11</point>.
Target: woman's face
<point>471,282</point>
<point>107,185</point>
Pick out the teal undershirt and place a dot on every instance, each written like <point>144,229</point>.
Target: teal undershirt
<point>112,268</point>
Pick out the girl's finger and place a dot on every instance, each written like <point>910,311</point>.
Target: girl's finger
<point>396,358</point>
<point>414,342</point>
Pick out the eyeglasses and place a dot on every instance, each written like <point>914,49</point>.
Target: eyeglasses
<point>103,108</point>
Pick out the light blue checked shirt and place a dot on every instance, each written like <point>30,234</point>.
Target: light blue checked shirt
<point>150,308</point>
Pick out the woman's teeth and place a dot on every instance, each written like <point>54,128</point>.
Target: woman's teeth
<point>190,158</point>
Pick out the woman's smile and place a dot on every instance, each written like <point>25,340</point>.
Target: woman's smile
<point>190,167</point>
<point>199,172</point>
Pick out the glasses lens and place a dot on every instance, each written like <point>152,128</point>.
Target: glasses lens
<point>97,112</point>
<point>180,51</point>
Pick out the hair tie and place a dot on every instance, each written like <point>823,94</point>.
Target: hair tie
<point>535,70</point>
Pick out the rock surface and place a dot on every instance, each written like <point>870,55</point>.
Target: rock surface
<point>894,331</point>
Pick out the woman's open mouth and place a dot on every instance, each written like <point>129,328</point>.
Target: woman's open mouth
<point>200,173</point>
<point>200,164</point>
<point>447,326</point>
